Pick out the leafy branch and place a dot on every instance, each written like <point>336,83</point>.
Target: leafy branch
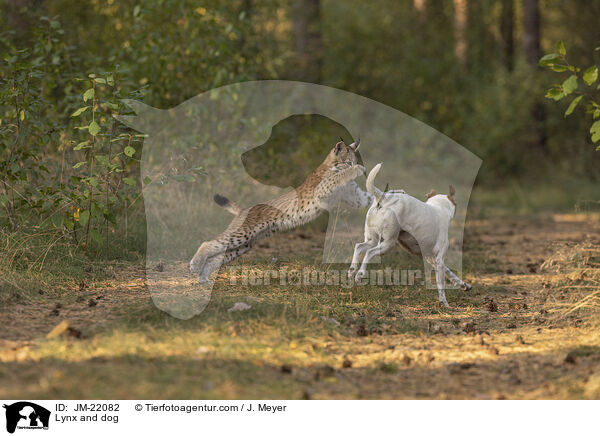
<point>558,62</point>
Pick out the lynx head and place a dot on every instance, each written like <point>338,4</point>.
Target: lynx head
<point>344,154</point>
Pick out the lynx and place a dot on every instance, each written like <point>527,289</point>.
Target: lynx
<point>329,184</point>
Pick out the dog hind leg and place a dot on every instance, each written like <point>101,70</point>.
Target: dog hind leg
<point>457,281</point>
<point>440,270</point>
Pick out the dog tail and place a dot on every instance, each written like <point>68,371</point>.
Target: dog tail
<point>227,204</point>
<point>371,188</point>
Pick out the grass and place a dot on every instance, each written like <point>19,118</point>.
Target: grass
<point>311,341</point>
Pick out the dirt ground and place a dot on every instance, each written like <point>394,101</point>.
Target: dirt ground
<point>511,337</point>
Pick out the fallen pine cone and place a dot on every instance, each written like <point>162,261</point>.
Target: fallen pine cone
<point>492,306</point>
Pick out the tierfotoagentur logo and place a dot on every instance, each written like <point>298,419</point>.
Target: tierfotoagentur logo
<point>25,415</point>
<point>212,131</point>
<point>241,276</point>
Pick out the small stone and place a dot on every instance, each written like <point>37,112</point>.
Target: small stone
<point>239,306</point>
<point>362,330</point>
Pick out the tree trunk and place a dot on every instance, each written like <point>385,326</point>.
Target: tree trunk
<point>18,20</point>
<point>245,8</point>
<point>531,34</point>
<point>460,30</point>
<point>419,5</point>
<point>507,27</point>
<point>532,49</point>
<point>306,24</point>
<point>420,9</point>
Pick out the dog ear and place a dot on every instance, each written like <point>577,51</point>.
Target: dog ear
<point>431,193</point>
<point>387,188</point>
<point>451,193</point>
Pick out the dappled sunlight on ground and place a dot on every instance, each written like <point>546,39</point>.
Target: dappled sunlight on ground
<point>509,337</point>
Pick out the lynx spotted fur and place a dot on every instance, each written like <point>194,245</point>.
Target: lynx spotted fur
<point>330,183</point>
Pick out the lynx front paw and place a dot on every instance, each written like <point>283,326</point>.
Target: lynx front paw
<point>205,281</point>
<point>195,267</point>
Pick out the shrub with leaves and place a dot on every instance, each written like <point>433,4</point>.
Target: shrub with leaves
<point>100,186</point>
<point>28,123</point>
<point>586,93</point>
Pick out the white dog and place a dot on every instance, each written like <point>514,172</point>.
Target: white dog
<point>420,227</point>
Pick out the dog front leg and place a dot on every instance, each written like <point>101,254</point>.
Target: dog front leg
<point>359,249</point>
<point>382,248</point>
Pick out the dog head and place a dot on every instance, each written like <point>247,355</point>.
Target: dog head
<point>447,201</point>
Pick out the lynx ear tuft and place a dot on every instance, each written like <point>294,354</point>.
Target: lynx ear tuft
<point>354,146</point>
<point>338,147</point>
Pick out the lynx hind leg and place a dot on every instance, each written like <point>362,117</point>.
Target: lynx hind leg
<point>205,251</point>
<point>213,264</point>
